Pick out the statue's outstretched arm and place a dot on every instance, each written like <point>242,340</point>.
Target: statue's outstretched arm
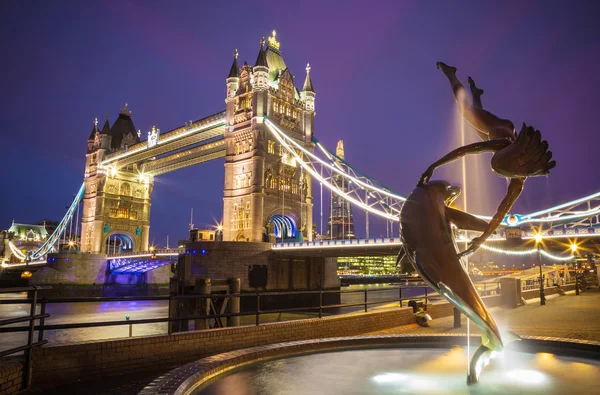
<point>512,194</point>
<point>475,148</point>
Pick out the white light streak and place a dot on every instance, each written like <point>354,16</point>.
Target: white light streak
<point>571,203</point>
<point>327,184</point>
<point>525,252</point>
<point>340,172</point>
<point>165,139</point>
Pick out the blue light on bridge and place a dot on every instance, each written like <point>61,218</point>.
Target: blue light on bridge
<point>203,251</point>
<point>194,252</point>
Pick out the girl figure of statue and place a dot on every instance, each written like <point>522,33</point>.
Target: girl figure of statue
<point>516,157</point>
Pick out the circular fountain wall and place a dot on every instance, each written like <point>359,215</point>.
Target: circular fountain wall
<point>389,365</point>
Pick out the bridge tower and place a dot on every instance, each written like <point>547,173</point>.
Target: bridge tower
<point>267,195</point>
<point>116,203</point>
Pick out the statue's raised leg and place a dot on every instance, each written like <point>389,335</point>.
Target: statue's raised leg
<point>483,121</point>
<point>476,93</point>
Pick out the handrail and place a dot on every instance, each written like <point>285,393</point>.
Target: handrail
<point>31,318</point>
<point>320,308</point>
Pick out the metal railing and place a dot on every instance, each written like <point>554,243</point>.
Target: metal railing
<point>534,283</point>
<point>32,300</point>
<point>319,310</point>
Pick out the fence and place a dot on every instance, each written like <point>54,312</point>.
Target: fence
<point>31,318</point>
<point>534,283</point>
<point>367,300</point>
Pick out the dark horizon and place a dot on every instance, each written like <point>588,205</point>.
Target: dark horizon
<point>373,69</point>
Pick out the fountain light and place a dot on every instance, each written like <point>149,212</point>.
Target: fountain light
<point>526,376</point>
<point>389,378</point>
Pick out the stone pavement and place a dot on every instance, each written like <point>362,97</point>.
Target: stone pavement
<point>569,316</point>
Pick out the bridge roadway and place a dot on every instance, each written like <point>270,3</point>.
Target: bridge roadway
<point>148,260</point>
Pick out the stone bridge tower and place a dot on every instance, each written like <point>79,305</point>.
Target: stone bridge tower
<point>116,203</point>
<point>267,195</point>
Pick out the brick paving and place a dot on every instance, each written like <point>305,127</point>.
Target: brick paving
<point>569,316</point>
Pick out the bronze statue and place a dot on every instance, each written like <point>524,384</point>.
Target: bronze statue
<point>516,157</point>
<point>429,245</point>
<point>428,241</point>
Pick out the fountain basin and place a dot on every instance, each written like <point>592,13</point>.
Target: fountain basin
<point>433,364</point>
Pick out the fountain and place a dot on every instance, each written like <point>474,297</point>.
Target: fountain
<point>433,364</point>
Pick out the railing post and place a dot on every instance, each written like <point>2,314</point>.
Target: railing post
<point>257,308</point>
<point>425,296</point>
<point>366,290</point>
<point>400,296</point>
<point>42,312</point>
<point>320,304</point>
<point>27,369</point>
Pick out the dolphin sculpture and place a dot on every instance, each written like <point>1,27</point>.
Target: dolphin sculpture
<point>429,244</point>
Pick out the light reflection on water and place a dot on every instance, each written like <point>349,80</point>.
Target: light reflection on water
<point>407,371</point>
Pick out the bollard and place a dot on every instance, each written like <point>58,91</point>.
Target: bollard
<point>234,302</point>
<point>130,326</point>
<point>457,323</point>
<point>321,304</point>
<point>203,287</point>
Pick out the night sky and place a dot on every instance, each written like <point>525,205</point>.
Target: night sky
<point>373,69</point>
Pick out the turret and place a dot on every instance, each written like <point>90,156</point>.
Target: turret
<point>105,135</point>
<point>92,137</point>
<point>339,150</point>
<point>233,79</point>
<point>308,93</point>
<point>261,68</point>
<point>308,98</point>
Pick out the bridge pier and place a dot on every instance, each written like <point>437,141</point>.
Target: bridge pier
<point>258,268</point>
<point>89,274</point>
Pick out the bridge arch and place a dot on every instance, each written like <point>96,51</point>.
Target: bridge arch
<point>283,226</point>
<point>118,241</point>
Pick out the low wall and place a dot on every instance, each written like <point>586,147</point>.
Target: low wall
<point>11,377</point>
<point>535,293</point>
<point>59,365</point>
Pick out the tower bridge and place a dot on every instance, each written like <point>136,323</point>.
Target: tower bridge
<point>272,158</point>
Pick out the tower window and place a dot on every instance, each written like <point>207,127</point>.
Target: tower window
<point>237,148</point>
<point>271,147</point>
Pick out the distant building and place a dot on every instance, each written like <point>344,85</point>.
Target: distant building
<point>202,235</point>
<point>25,237</point>
<point>49,225</point>
<point>341,222</point>
<point>367,265</point>
<point>198,235</point>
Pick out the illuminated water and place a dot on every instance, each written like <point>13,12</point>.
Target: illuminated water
<point>408,371</point>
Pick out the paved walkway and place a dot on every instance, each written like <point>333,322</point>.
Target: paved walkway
<point>569,316</point>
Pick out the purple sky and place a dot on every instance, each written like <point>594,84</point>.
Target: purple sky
<point>373,68</point>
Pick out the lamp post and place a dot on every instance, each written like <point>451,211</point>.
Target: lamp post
<point>574,250</point>
<point>538,240</point>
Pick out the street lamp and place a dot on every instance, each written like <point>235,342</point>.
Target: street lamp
<point>574,250</point>
<point>538,241</point>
